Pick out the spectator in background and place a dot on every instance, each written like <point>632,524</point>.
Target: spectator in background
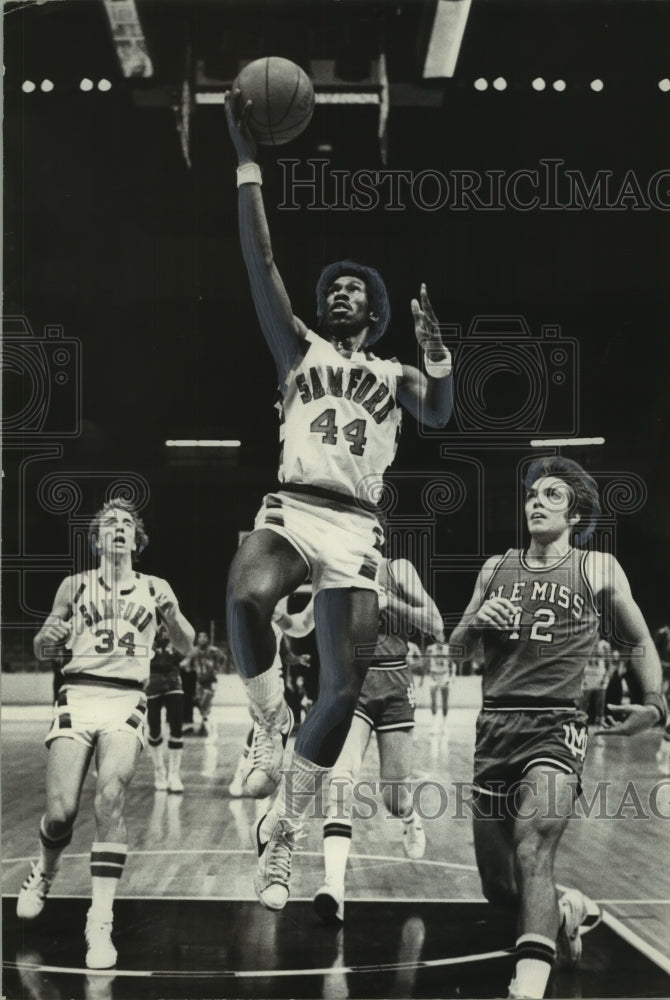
<point>205,663</point>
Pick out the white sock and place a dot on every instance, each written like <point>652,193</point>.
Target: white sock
<point>535,955</point>
<point>299,789</point>
<point>265,693</point>
<point>336,847</point>
<point>107,861</point>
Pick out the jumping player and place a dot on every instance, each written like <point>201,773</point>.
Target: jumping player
<point>386,707</point>
<point>441,669</point>
<point>107,617</point>
<point>538,613</point>
<point>340,417</point>
<point>165,691</point>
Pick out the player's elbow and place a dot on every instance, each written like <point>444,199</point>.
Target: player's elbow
<point>436,417</point>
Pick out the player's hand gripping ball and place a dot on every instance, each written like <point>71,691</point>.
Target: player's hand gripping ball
<point>282,99</point>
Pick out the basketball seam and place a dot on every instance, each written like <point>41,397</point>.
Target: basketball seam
<point>267,99</point>
<point>293,95</point>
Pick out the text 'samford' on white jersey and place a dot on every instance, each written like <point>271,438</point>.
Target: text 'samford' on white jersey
<point>113,628</point>
<point>340,419</point>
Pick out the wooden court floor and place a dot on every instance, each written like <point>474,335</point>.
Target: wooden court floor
<point>187,923</point>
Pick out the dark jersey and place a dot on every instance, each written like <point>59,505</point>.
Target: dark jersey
<point>545,652</point>
<point>391,649</point>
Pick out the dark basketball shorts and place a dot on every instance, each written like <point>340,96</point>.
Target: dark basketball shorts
<point>164,683</point>
<point>386,701</point>
<point>509,742</point>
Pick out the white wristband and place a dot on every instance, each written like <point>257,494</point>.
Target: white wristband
<point>438,369</point>
<point>249,173</point>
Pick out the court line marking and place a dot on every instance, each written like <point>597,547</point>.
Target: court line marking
<point>414,900</point>
<point>634,939</point>
<point>267,973</point>
<point>250,851</point>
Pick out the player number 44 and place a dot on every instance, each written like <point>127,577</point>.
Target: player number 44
<point>353,432</point>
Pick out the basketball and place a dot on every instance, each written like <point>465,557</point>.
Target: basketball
<point>283,99</point>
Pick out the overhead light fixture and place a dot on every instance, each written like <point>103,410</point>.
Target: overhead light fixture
<point>500,83</point>
<point>559,85</point>
<point>444,45</point>
<point>538,83</point>
<point>201,443</point>
<point>129,41</point>
<point>481,83</point>
<point>28,87</point>
<point>86,84</point>
<point>46,86</point>
<point>597,85</point>
<point>566,442</point>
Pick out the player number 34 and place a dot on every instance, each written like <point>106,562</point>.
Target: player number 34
<point>353,432</point>
<point>106,644</point>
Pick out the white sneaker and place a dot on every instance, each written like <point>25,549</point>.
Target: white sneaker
<point>414,840</point>
<point>174,783</point>
<point>580,915</point>
<point>33,893</point>
<point>100,952</point>
<point>266,754</point>
<point>236,787</point>
<point>273,872</point>
<point>329,903</point>
<point>160,780</point>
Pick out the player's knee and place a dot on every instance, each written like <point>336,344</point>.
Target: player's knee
<point>251,601</point>
<point>110,798</point>
<point>61,813</point>
<point>534,850</point>
<point>497,889</point>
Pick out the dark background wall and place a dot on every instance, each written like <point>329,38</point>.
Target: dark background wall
<point>109,235</point>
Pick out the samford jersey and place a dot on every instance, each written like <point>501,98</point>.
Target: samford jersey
<point>544,653</point>
<point>113,630</point>
<point>340,419</point>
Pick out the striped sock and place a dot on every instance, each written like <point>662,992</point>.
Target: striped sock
<point>336,847</point>
<point>51,849</point>
<point>107,862</point>
<point>535,956</point>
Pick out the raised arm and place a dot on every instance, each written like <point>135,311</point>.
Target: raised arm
<point>428,397</point>
<point>179,629</point>
<point>480,614</point>
<point>281,329</point>
<point>58,625</point>
<point>407,599</point>
<point>623,617</point>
